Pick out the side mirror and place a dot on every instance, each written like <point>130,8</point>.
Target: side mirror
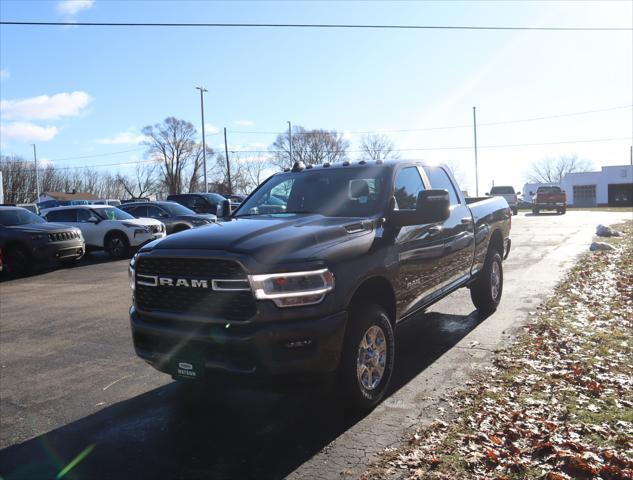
<point>94,220</point>
<point>432,206</point>
<point>224,209</point>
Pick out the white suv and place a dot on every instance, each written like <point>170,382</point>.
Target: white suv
<point>107,227</point>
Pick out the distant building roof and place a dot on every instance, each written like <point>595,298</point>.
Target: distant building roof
<point>71,195</point>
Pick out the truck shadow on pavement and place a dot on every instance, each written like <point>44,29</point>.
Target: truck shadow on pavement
<point>177,431</point>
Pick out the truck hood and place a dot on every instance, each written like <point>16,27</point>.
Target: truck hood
<point>279,239</point>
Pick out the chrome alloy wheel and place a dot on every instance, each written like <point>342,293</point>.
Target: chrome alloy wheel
<point>372,358</point>
<point>495,280</point>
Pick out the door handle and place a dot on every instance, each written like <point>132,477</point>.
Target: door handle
<point>434,230</point>
<point>467,220</point>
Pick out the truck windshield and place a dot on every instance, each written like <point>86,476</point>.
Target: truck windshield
<point>339,192</point>
<point>548,190</point>
<point>19,216</point>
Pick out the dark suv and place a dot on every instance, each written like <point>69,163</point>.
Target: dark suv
<point>175,216</point>
<point>26,239</point>
<point>199,202</point>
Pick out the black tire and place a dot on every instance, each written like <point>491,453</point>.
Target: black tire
<point>16,262</point>
<point>180,228</point>
<point>486,291</point>
<point>562,211</point>
<point>535,211</point>
<point>117,245</point>
<point>515,211</point>
<point>353,380</point>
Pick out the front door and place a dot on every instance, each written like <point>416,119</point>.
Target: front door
<point>91,231</point>
<point>419,248</point>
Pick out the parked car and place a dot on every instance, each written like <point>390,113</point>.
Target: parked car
<point>549,198</point>
<point>320,287</point>
<point>107,201</point>
<point>199,202</point>
<point>509,194</point>
<point>108,228</point>
<point>26,239</point>
<point>236,198</point>
<point>60,203</point>
<point>175,217</point>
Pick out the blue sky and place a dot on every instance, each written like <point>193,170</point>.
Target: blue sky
<point>102,85</point>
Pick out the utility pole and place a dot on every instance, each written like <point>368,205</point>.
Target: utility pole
<point>37,175</point>
<point>204,143</point>
<point>228,165</point>
<point>290,139</point>
<point>476,168</point>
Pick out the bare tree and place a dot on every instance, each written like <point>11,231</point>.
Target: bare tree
<point>256,170</point>
<point>309,146</point>
<point>172,144</point>
<point>141,183</point>
<point>239,180</point>
<point>553,170</point>
<point>378,147</point>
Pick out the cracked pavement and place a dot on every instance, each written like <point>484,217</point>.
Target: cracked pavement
<point>69,378</point>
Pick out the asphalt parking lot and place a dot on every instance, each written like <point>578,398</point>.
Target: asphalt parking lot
<point>70,381</point>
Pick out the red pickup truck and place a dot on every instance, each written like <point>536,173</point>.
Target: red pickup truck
<point>549,198</point>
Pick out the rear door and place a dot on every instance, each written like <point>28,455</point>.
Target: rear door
<point>458,233</point>
<point>419,248</point>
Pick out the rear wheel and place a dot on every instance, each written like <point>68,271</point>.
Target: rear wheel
<point>368,357</point>
<point>515,211</point>
<point>535,211</point>
<point>486,291</point>
<point>562,211</point>
<point>117,245</point>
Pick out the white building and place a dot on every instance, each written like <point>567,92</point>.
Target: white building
<point>612,186</point>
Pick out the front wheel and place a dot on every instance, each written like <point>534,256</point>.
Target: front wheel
<point>486,291</point>
<point>17,262</point>
<point>515,211</point>
<point>368,358</point>
<point>117,246</point>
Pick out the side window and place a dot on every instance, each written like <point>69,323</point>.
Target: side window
<point>84,215</point>
<point>439,179</point>
<point>139,211</point>
<point>407,186</point>
<point>62,216</point>
<point>154,212</point>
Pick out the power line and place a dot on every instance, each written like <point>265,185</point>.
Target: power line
<point>466,147</point>
<point>425,129</point>
<point>97,155</point>
<point>311,25</point>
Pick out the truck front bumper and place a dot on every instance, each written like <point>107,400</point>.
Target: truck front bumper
<point>258,351</point>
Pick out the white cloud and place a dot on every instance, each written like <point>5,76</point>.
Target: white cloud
<point>44,107</point>
<point>72,7</point>
<point>123,138</point>
<point>4,74</point>
<point>27,132</point>
<point>244,123</point>
<point>210,129</point>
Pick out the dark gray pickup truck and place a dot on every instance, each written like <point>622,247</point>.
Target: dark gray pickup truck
<point>312,274</point>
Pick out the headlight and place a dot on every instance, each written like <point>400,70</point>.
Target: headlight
<point>137,227</point>
<point>131,272</point>
<point>293,289</point>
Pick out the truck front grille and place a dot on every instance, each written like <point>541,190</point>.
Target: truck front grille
<point>230,306</point>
